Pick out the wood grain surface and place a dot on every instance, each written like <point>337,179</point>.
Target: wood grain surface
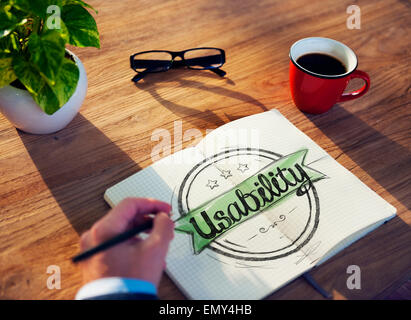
<point>51,186</point>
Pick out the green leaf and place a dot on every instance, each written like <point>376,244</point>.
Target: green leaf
<point>47,100</point>
<point>80,2</point>
<point>81,26</point>
<point>8,23</point>
<point>28,75</point>
<point>66,82</point>
<point>35,85</point>
<point>37,7</point>
<point>64,33</point>
<point>47,53</point>
<point>7,74</point>
<point>6,45</point>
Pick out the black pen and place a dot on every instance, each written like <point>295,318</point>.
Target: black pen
<point>113,241</point>
<point>316,286</point>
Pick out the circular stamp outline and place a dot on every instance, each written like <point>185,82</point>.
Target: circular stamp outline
<point>238,257</point>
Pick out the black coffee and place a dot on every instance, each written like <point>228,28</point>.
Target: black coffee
<point>322,64</point>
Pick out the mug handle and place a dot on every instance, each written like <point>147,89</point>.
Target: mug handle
<point>360,92</point>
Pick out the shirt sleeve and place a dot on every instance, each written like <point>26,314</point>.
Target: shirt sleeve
<point>115,285</point>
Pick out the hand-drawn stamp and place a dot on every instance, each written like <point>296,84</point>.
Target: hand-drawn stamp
<point>237,223</point>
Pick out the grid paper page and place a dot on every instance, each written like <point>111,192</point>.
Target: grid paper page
<point>297,234</point>
<point>205,276</point>
<point>347,205</point>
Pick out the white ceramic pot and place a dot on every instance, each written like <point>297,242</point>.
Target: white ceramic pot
<point>23,112</point>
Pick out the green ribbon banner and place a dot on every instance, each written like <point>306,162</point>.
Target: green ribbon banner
<point>268,187</point>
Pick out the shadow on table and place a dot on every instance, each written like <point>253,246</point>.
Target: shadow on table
<point>383,159</point>
<point>388,163</point>
<point>383,255</point>
<point>78,164</point>
<point>200,119</point>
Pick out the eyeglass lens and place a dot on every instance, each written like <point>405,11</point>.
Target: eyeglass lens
<point>162,61</point>
<point>203,58</point>
<point>153,61</point>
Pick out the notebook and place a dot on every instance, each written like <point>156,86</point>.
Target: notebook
<point>256,204</point>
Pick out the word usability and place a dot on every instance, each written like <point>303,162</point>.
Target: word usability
<point>267,188</point>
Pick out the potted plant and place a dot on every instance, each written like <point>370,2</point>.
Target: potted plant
<point>42,84</point>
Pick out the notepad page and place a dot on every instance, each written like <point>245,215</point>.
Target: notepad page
<point>348,208</point>
<point>207,275</point>
<point>293,236</point>
<point>157,181</point>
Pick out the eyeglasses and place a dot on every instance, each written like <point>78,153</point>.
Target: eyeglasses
<point>161,60</point>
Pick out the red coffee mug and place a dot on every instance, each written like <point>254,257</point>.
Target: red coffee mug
<point>317,93</point>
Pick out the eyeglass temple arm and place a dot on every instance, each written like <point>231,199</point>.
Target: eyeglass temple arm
<point>219,72</point>
<point>139,76</point>
<point>204,61</point>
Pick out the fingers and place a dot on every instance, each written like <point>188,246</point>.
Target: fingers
<point>85,241</point>
<point>156,245</point>
<point>163,230</point>
<point>129,212</point>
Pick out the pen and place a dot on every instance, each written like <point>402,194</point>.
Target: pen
<point>316,286</point>
<point>113,241</point>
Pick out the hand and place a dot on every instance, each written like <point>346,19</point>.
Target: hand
<point>135,258</point>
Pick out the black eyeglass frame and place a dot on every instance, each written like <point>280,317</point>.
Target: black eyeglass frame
<point>183,62</point>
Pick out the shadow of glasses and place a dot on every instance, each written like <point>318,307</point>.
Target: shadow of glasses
<point>187,78</point>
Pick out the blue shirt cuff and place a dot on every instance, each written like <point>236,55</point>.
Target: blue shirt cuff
<point>115,285</point>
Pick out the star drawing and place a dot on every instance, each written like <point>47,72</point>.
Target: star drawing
<point>212,184</point>
<point>225,174</point>
<point>243,167</point>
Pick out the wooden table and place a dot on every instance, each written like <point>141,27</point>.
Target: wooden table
<point>51,186</point>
